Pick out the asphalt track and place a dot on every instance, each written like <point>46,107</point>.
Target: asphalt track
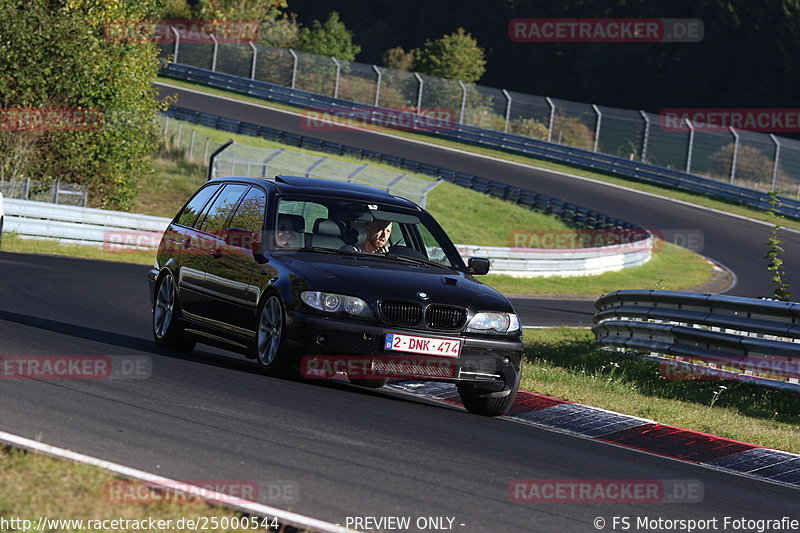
<point>348,451</point>
<point>736,243</point>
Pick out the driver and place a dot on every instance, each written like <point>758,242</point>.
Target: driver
<point>378,232</point>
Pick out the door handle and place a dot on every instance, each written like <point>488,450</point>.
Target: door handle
<point>216,253</point>
<point>186,242</point>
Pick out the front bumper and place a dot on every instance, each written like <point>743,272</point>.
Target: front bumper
<point>491,363</point>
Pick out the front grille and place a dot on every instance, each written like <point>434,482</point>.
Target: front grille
<point>400,313</point>
<point>445,317</point>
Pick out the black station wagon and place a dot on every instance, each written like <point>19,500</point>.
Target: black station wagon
<point>320,277</point>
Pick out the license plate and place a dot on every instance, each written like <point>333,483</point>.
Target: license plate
<point>424,345</point>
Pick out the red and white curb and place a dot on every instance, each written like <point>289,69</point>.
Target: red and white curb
<point>638,433</point>
<point>249,507</point>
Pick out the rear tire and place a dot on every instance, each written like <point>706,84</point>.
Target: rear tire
<point>168,331</point>
<point>479,404</point>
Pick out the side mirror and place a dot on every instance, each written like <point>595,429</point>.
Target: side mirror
<point>241,238</point>
<point>478,265</point>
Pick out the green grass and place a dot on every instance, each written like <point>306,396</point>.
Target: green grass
<point>671,268</point>
<point>696,199</point>
<point>37,485</point>
<point>13,243</point>
<point>562,362</point>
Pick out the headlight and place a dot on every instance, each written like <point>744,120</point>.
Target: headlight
<point>492,322</point>
<point>334,303</point>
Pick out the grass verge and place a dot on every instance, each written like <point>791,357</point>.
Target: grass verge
<point>562,362</point>
<point>37,485</point>
<point>696,199</point>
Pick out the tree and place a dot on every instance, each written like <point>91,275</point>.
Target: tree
<point>399,59</point>
<point>331,38</point>
<point>57,54</point>
<point>456,56</point>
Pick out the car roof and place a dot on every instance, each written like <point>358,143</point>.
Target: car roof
<point>324,187</point>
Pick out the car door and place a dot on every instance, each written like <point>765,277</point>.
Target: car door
<point>185,235</point>
<point>205,248</point>
<point>231,304</point>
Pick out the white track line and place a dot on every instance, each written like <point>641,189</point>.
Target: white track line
<point>482,156</point>
<point>250,507</point>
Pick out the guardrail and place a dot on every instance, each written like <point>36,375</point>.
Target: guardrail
<point>566,211</point>
<point>709,336</point>
<point>118,230</point>
<point>477,136</point>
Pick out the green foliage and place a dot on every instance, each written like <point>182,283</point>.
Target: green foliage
<point>456,56</point>
<point>398,58</point>
<point>529,128</point>
<point>572,132</point>
<point>751,164</point>
<point>330,38</point>
<point>775,253</point>
<point>55,54</point>
<point>176,10</point>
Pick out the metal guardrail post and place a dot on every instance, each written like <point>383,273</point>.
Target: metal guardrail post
<point>255,56</point>
<point>419,93</point>
<point>55,191</point>
<point>191,145</point>
<point>378,85</point>
<point>777,158</point>
<point>314,165</point>
<point>338,73</point>
<point>294,68</point>
<point>216,49</point>
<point>597,126</point>
<point>212,171</point>
<point>735,152</point>
<point>646,136</point>
<point>552,118</point>
<point>177,43</point>
<point>508,110</point>
<point>394,182</point>
<point>265,163</point>
<point>691,145</point>
<point>85,194</point>
<point>356,172</point>
<point>463,101</point>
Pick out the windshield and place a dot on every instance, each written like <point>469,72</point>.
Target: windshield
<point>348,227</point>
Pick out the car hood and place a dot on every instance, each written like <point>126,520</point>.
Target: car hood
<point>377,278</point>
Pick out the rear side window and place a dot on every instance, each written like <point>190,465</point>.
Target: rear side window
<point>188,216</point>
<point>216,220</point>
<point>250,213</point>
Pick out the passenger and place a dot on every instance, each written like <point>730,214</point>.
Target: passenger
<point>378,232</point>
<point>285,232</point>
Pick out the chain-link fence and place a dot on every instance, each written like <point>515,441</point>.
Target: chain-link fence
<point>252,161</point>
<point>46,191</point>
<point>755,160</point>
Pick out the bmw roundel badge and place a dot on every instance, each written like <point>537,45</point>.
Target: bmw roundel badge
<point>423,295</point>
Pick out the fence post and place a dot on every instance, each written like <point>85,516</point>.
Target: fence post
<point>419,93</point>
<point>294,68</point>
<point>178,139</point>
<point>735,152</point>
<point>463,101</point>
<point>255,55</point>
<point>646,136</point>
<point>552,117</point>
<point>378,86</point>
<point>55,191</point>
<point>166,124</point>
<point>597,126</point>
<point>205,151</point>
<point>338,72</point>
<point>27,187</point>
<point>85,194</point>
<point>691,145</point>
<point>265,163</point>
<point>777,158</point>
<point>177,43</point>
<point>356,172</point>
<point>216,48</point>
<point>191,145</point>
<point>314,165</point>
<point>212,170</point>
<point>508,110</point>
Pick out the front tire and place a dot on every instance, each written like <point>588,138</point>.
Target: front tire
<point>480,403</point>
<point>270,353</point>
<point>168,331</point>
